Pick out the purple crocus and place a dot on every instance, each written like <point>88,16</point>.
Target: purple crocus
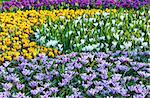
<point>54,89</point>
<point>33,84</point>
<point>7,63</point>
<point>91,92</point>
<point>116,77</point>
<point>20,86</point>
<point>26,72</point>
<point>7,86</point>
<point>98,3</point>
<point>34,92</point>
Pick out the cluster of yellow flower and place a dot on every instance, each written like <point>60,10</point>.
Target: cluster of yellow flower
<point>15,29</point>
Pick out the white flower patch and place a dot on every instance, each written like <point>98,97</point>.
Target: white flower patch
<point>105,34</point>
<point>52,43</point>
<point>90,47</point>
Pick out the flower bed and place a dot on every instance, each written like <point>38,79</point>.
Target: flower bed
<point>50,4</point>
<point>78,75</point>
<point>75,49</point>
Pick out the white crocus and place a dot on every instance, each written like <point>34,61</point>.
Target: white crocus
<point>144,19</point>
<point>80,22</point>
<point>62,27</point>
<point>120,24</point>
<point>102,45</point>
<point>113,29</point>
<point>140,21</point>
<point>86,19</point>
<point>107,24</point>
<point>106,45</point>
<point>95,45</point>
<point>47,29</point>
<point>92,19</point>
<point>79,18</point>
<point>145,44</point>
<point>78,44</point>
<point>52,43</point>
<point>60,47</point>
<point>142,33</point>
<point>106,14</point>
<point>101,23</point>
<point>36,35</point>
<point>122,17</point>
<point>91,39</point>
<point>78,33</point>
<point>62,17</point>
<point>127,44</point>
<point>92,31</point>
<point>84,15</point>
<point>82,41</point>
<point>114,43</point>
<point>42,39</point>
<point>113,22</point>
<point>141,39</point>
<point>85,29</point>
<point>95,24</point>
<point>37,30</point>
<point>70,32</point>
<point>55,26</point>
<point>142,13</point>
<point>47,34</point>
<point>85,36</point>
<point>102,38</point>
<point>87,48</point>
<point>135,29</point>
<point>77,37</point>
<point>131,25</point>
<point>122,46</point>
<point>121,32</point>
<point>45,26</point>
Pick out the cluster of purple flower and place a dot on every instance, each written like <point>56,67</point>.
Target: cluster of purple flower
<point>77,75</point>
<point>80,3</point>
